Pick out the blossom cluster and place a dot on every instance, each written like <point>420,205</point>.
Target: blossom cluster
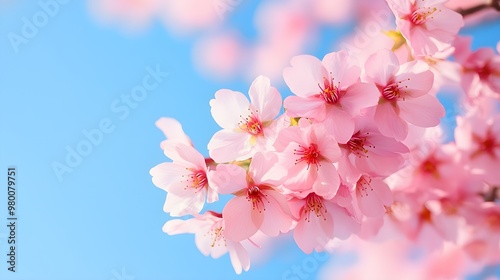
<point>356,150</point>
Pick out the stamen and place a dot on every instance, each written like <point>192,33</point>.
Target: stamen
<point>422,15</point>
<point>314,203</point>
<point>395,91</point>
<point>310,155</point>
<point>197,180</point>
<point>363,186</point>
<point>251,124</point>
<point>257,198</point>
<point>329,92</point>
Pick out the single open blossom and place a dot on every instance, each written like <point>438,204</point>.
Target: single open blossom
<point>428,222</point>
<point>307,152</point>
<point>404,94</point>
<point>436,168</point>
<point>257,204</point>
<point>318,221</point>
<point>328,91</point>
<point>370,152</point>
<point>480,70</point>
<point>210,238</point>
<point>427,25</point>
<point>186,180</point>
<point>479,138</point>
<point>246,125</point>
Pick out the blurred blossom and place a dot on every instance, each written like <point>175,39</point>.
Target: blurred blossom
<point>190,15</point>
<point>132,14</point>
<point>220,55</point>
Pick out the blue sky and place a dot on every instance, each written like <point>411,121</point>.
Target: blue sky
<point>102,217</point>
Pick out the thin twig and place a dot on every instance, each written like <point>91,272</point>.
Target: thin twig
<point>495,4</point>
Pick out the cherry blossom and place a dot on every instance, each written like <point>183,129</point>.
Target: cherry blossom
<point>308,152</point>
<point>210,238</point>
<point>479,137</point>
<point>328,91</point>
<point>427,25</point>
<point>404,94</point>
<point>317,217</point>
<point>186,180</point>
<point>368,151</point>
<point>480,70</point>
<point>246,125</point>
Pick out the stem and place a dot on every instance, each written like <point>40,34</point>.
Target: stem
<point>495,4</point>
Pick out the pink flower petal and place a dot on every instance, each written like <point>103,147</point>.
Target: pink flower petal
<point>341,68</point>
<point>360,96</point>
<point>265,99</point>
<point>304,75</point>
<point>241,221</point>
<point>372,198</point>
<point>381,67</point>
<point>277,218</point>
<point>166,173</point>
<point>184,155</point>
<point>424,111</point>
<point>344,223</point>
<point>226,146</point>
<point>264,169</point>
<point>327,183</point>
<point>239,257</point>
<point>314,226</point>
<point>313,108</point>
<point>172,130</point>
<point>179,206</point>
<point>229,178</point>
<point>228,108</point>
<point>389,123</point>
<point>340,124</point>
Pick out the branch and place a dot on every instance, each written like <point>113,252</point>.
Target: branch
<point>495,4</point>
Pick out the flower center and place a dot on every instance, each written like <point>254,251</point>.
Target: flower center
<point>216,233</point>
<point>257,198</point>
<point>314,203</point>
<point>251,124</point>
<point>426,215</point>
<point>329,92</point>
<point>430,166</point>
<point>394,91</point>
<point>310,155</point>
<point>422,15</point>
<point>391,92</point>
<point>197,180</point>
<point>357,145</point>
<point>486,145</point>
<point>483,73</point>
